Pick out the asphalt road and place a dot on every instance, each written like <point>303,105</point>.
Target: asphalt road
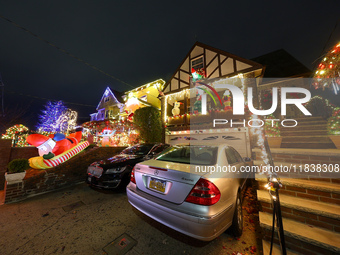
<point>82,220</point>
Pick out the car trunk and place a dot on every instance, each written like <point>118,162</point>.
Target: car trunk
<point>168,181</point>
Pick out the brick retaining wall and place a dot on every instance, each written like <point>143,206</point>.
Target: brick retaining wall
<point>69,173</point>
<point>5,153</point>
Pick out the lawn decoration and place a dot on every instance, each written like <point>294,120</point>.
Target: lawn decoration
<point>55,149</point>
<point>227,100</point>
<point>107,133</point>
<point>18,134</point>
<point>175,111</point>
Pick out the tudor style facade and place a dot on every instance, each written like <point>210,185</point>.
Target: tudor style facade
<point>215,67</point>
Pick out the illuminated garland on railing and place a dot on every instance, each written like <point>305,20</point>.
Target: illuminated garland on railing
<point>333,124</point>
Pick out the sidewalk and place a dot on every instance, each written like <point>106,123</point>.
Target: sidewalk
<point>81,220</point>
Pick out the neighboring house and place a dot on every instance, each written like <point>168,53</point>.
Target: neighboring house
<point>109,107</point>
<point>280,63</point>
<point>145,95</point>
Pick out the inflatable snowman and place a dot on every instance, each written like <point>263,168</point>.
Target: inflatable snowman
<point>175,111</point>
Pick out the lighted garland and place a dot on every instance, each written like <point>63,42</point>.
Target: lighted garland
<point>333,124</point>
<point>272,128</point>
<point>327,74</point>
<point>126,132</point>
<point>18,134</point>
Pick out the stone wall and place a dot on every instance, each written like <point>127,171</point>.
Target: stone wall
<point>69,173</point>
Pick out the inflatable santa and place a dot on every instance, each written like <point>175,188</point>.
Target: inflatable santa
<point>55,144</point>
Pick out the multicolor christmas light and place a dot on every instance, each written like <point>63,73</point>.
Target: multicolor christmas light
<point>272,128</point>
<point>327,74</point>
<point>333,124</point>
<point>125,132</point>
<point>18,134</point>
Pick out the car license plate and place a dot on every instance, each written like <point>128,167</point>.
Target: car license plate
<point>95,171</point>
<point>157,184</point>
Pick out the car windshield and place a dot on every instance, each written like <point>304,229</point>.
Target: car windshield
<point>196,155</point>
<point>138,149</point>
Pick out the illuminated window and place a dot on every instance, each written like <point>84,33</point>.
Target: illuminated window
<point>144,98</point>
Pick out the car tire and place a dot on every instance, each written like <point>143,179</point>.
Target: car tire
<point>237,225</point>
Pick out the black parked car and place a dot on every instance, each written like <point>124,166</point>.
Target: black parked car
<point>115,172</point>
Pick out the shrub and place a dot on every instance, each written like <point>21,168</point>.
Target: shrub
<point>333,124</point>
<point>18,165</point>
<point>318,106</point>
<point>148,119</point>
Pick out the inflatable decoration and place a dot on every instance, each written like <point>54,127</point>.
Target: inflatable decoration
<point>227,101</point>
<point>175,111</point>
<point>106,134</point>
<point>55,149</point>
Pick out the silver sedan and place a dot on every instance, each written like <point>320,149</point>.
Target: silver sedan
<point>193,189</point>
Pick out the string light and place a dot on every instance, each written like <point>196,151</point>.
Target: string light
<point>333,124</point>
<point>327,74</point>
<point>18,133</point>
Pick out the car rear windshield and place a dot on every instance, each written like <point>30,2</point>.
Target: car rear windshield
<point>138,149</point>
<point>196,155</point>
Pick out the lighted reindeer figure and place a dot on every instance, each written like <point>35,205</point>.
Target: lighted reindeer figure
<point>175,111</point>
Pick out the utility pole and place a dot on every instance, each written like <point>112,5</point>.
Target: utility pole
<point>2,96</point>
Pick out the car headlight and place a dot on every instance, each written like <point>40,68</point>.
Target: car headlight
<point>116,170</point>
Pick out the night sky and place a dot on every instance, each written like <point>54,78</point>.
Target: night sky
<point>141,41</point>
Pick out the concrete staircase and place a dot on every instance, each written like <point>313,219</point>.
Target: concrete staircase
<point>311,133</point>
<point>310,202</point>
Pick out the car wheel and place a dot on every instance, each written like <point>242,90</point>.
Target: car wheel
<point>237,226</point>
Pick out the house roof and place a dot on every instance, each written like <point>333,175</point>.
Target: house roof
<point>235,65</point>
<point>281,64</point>
<point>115,94</point>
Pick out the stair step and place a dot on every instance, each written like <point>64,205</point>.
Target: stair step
<point>309,145</point>
<point>307,119</point>
<point>307,139</point>
<point>276,249</point>
<point>310,123</point>
<point>306,184</point>
<point>307,127</point>
<point>314,235</point>
<point>303,152</point>
<point>321,132</point>
<point>302,204</point>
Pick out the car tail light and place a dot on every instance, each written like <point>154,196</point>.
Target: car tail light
<point>132,178</point>
<point>204,193</point>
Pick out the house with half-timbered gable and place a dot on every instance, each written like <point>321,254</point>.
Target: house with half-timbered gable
<point>195,95</point>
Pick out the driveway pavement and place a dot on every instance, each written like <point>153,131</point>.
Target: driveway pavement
<point>82,220</point>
